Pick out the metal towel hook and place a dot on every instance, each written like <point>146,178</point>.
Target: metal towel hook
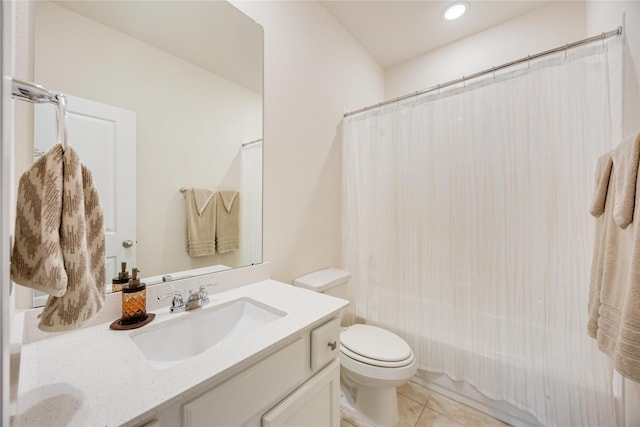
<point>62,120</point>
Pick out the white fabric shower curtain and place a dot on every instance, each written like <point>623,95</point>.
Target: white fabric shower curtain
<point>251,205</point>
<point>467,231</point>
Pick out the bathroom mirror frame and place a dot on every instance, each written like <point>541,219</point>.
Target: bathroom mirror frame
<point>207,37</point>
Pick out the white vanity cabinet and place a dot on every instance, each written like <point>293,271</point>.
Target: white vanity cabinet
<point>297,384</point>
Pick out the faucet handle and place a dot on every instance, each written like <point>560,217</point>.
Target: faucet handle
<point>204,295</point>
<point>177,302</point>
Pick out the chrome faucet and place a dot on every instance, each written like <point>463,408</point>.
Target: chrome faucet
<point>204,295</point>
<point>195,300</point>
<point>177,302</point>
<point>199,298</point>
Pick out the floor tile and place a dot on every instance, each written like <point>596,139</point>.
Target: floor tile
<point>409,411</point>
<point>415,392</point>
<point>439,411</point>
<point>350,420</point>
<point>345,423</point>
<point>461,413</point>
<point>480,419</point>
<point>431,418</point>
<point>447,407</point>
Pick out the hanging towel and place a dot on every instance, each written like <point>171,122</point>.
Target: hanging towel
<point>614,287</point>
<point>37,260</point>
<point>625,163</point>
<point>228,222</point>
<point>201,222</point>
<point>202,198</point>
<point>603,171</point>
<point>82,242</point>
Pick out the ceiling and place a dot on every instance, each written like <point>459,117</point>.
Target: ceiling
<point>392,31</point>
<point>395,31</point>
<point>213,35</point>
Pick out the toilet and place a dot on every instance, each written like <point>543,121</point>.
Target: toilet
<point>373,361</point>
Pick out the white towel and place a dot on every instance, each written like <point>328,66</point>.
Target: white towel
<point>201,223</point>
<point>625,164</point>
<point>82,242</point>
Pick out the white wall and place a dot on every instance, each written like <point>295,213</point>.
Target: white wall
<point>549,26</point>
<point>190,123</point>
<point>607,15</point>
<point>314,71</point>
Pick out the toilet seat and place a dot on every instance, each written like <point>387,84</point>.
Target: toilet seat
<point>375,346</point>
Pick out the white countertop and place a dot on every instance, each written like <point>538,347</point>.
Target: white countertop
<point>99,377</point>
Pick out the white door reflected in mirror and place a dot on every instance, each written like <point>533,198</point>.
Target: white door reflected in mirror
<point>105,138</point>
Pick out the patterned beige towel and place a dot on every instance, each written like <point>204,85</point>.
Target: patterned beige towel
<point>82,242</point>
<point>201,223</point>
<point>228,222</point>
<point>36,260</point>
<point>625,168</point>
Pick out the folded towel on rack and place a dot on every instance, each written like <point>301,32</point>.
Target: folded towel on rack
<point>202,197</point>
<point>614,286</point>
<point>228,222</point>
<point>625,164</point>
<point>603,171</point>
<point>82,241</point>
<point>36,260</point>
<point>201,222</point>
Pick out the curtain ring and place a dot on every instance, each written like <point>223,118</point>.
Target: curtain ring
<point>62,120</point>
<point>464,81</point>
<point>494,72</point>
<point>566,47</point>
<point>528,61</point>
<point>438,86</point>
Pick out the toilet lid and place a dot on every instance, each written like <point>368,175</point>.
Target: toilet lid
<point>375,343</point>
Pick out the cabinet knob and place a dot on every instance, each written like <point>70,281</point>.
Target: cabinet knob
<point>333,345</point>
<point>127,243</point>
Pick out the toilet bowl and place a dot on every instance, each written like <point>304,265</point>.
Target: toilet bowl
<point>373,360</point>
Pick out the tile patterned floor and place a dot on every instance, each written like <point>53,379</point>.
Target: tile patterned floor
<point>421,407</point>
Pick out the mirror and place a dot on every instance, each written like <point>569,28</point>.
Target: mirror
<point>190,73</point>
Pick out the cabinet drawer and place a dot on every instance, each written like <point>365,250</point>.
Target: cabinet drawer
<point>325,343</point>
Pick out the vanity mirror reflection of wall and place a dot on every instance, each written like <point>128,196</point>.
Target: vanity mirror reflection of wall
<point>191,71</point>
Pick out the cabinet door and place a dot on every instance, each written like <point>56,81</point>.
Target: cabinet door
<point>250,393</point>
<point>315,404</point>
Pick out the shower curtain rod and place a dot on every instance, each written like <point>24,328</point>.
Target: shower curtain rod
<point>251,142</point>
<point>601,37</point>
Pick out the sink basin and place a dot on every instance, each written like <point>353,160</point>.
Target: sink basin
<point>197,331</point>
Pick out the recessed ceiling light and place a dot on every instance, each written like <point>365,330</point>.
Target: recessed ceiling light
<point>455,11</point>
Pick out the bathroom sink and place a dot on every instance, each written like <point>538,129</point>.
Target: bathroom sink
<point>197,331</point>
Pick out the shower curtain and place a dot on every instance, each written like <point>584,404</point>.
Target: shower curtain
<point>251,204</point>
<point>467,231</point>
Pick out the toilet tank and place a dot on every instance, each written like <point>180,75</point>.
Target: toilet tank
<point>330,281</point>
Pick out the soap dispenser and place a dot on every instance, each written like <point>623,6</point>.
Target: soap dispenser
<point>134,300</point>
<point>121,279</point>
